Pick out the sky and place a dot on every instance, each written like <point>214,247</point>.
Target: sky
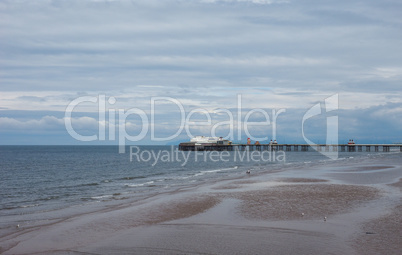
<point>137,71</point>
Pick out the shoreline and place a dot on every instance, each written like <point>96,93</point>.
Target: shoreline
<point>287,206</point>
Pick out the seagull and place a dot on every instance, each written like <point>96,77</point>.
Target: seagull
<point>248,172</point>
<point>18,226</point>
<point>325,218</point>
<point>302,214</point>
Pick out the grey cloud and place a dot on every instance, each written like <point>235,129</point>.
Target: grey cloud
<point>203,53</point>
<point>79,46</point>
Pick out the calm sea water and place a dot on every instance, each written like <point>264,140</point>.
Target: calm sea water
<point>38,179</point>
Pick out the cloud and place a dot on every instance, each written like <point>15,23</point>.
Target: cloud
<point>388,72</point>
<point>245,1</point>
<point>45,123</point>
<point>202,53</point>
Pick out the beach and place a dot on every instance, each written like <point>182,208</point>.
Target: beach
<point>342,207</point>
<point>194,127</point>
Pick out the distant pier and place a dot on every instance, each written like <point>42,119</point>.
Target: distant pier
<point>290,147</point>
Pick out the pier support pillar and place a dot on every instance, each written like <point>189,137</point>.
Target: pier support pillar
<point>360,148</point>
<point>368,148</point>
<point>376,148</point>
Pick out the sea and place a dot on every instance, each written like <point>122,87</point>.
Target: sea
<point>49,183</point>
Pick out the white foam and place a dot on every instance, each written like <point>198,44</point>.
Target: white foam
<point>140,184</point>
<point>100,197</point>
<point>26,206</point>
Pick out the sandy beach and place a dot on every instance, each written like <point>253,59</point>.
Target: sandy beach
<point>349,207</point>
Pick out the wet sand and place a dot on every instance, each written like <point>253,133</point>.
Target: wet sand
<point>352,208</point>
<point>292,202</point>
<point>383,235</point>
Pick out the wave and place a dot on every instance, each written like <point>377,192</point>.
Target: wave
<point>210,171</point>
<point>101,197</point>
<point>219,171</point>
<point>139,184</point>
<point>27,206</point>
<point>105,198</point>
<point>49,198</point>
<point>6,207</point>
<point>88,184</point>
<point>147,176</point>
<point>132,178</point>
<point>341,158</point>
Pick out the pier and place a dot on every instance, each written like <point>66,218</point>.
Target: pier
<point>290,147</point>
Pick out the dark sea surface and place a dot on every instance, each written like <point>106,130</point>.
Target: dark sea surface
<point>43,182</point>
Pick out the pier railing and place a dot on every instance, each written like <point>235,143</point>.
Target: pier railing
<point>290,147</point>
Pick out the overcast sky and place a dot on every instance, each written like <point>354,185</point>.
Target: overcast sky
<point>206,54</point>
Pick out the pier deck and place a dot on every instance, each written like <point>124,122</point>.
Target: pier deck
<point>290,147</point>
